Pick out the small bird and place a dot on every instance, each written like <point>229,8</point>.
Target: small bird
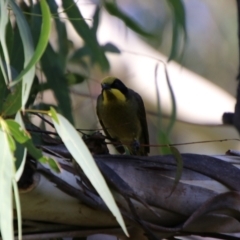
<point>122,115</point>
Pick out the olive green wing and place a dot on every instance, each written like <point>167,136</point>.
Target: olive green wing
<point>142,116</point>
<point>117,144</point>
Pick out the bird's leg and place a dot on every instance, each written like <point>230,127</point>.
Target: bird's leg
<point>135,146</point>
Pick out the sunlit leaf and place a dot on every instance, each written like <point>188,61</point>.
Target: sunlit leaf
<point>54,165</point>
<point>21,151</point>
<point>53,115</point>
<point>18,207</point>
<point>6,176</point>
<point>81,154</point>
<point>11,143</point>
<point>17,131</point>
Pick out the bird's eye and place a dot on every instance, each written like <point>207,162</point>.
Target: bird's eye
<point>117,83</point>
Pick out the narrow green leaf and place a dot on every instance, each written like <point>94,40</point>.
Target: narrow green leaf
<point>6,176</point>
<point>21,151</point>
<point>179,27</point>
<point>33,151</point>
<point>81,154</point>
<point>42,43</point>
<point>114,10</point>
<point>173,102</point>
<point>179,162</point>
<point>17,50</point>
<point>11,143</point>
<point>54,165</point>
<point>55,75</point>
<point>109,47</point>
<point>74,78</point>
<point>53,115</point>
<point>17,131</point>
<point>13,101</point>
<point>96,20</point>
<point>9,37</point>
<point>26,37</point>
<point>84,31</point>
<point>5,61</point>
<point>4,91</point>
<point>18,208</point>
<point>62,38</point>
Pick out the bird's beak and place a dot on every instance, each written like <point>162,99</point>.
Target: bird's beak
<point>105,86</point>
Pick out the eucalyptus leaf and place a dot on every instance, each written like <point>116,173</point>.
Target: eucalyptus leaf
<point>55,75</point>
<point>17,131</point>
<point>21,151</point>
<point>96,20</point>
<point>81,154</point>
<point>4,59</point>
<point>179,163</point>
<point>42,43</point>
<point>109,47</point>
<point>13,101</point>
<point>114,10</point>
<point>74,78</point>
<point>6,176</point>
<point>84,31</point>
<point>179,27</point>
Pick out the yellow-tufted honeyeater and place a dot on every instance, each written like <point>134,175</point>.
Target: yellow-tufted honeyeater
<point>122,115</point>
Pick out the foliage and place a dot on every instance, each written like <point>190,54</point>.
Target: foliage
<point>25,47</point>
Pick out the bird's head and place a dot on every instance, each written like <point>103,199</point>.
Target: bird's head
<point>113,89</point>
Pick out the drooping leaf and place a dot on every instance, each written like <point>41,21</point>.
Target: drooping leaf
<point>4,59</point>
<point>173,115</point>
<point>96,16</point>
<point>55,75</point>
<point>179,161</point>
<point>179,28</point>
<point>62,40</point>
<point>17,52</point>
<point>114,10</point>
<point>9,37</point>
<point>6,176</point>
<point>41,46</point>
<point>4,91</point>
<point>109,47</point>
<point>21,151</point>
<point>28,49</point>
<point>81,154</point>
<point>84,31</point>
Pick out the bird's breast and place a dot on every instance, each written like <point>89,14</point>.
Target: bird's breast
<point>121,120</point>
